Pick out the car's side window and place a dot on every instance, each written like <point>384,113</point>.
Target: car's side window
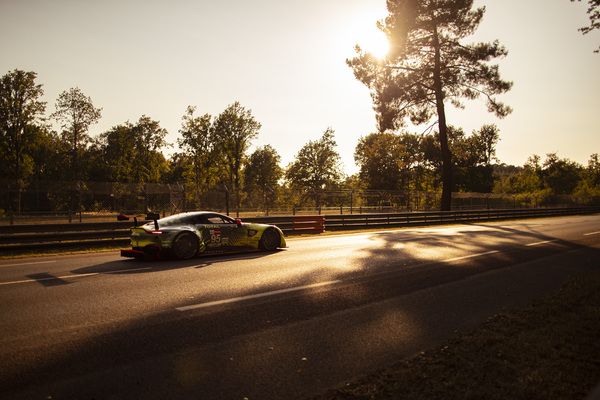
<point>219,221</point>
<point>201,221</point>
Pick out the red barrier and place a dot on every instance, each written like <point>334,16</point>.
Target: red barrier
<point>309,224</point>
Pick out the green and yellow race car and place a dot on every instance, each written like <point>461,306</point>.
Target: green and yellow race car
<point>190,234</point>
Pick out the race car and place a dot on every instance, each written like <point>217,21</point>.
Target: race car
<point>188,235</point>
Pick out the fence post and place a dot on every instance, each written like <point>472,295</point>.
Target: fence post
<point>79,194</point>
<point>226,200</point>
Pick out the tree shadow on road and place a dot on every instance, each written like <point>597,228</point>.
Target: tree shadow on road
<point>134,266</point>
<point>398,298</point>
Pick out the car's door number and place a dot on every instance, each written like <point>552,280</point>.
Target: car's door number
<point>215,237</point>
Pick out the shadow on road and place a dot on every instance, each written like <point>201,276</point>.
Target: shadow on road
<point>133,266</point>
<point>398,299</point>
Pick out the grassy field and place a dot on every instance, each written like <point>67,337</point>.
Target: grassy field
<point>548,350</point>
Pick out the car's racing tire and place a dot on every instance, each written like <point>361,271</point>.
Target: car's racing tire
<point>270,240</point>
<point>185,245</point>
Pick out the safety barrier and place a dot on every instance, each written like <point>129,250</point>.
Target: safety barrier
<point>309,224</point>
<point>19,238</point>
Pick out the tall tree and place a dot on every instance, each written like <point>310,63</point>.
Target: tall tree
<point>594,13</point>
<point>473,156</point>
<point>561,175</point>
<point>131,153</point>
<point>118,149</point>
<point>316,166</point>
<point>150,139</point>
<point>428,66</point>
<point>379,157</point>
<point>590,183</point>
<point>21,114</point>
<point>198,145</point>
<point>234,130</point>
<point>75,112</point>
<point>262,172</point>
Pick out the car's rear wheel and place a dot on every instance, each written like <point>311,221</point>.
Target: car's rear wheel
<point>185,245</point>
<point>270,240</point>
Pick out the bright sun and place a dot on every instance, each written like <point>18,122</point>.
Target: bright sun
<point>373,41</point>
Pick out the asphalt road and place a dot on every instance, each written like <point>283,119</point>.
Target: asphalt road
<point>260,326</point>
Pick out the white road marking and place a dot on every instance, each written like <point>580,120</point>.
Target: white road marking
<point>254,296</point>
<point>72,276</point>
<point>539,243</point>
<point>32,263</point>
<point>591,233</point>
<point>471,256</point>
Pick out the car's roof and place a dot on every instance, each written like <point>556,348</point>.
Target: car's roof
<point>192,214</point>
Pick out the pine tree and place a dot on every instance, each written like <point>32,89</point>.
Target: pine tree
<point>427,66</point>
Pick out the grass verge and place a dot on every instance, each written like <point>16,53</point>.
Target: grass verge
<point>547,350</point>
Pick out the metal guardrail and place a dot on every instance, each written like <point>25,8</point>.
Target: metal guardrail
<point>19,238</point>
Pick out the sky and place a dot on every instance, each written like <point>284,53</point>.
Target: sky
<point>285,61</point>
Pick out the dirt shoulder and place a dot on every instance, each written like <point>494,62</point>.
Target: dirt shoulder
<point>547,350</point>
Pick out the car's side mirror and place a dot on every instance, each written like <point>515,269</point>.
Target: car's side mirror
<point>238,222</point>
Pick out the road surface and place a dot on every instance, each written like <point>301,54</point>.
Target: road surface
<point>281,325</point>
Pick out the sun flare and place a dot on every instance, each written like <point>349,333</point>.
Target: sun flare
<point>373,41</point>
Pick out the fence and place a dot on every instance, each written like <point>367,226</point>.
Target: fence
<point>59,202</point>
<point>19,238</point>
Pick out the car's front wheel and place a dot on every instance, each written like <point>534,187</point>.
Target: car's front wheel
<point>270,240</point>
<point>185,245</point>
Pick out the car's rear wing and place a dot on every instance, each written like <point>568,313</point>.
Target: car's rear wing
<point>149,217</point>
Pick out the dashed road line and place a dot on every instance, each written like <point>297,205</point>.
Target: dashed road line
<point>254,296</point>
<point>471,256</point>
<point>24,264</point>
<point>72,276</point>
<point>539,243</point>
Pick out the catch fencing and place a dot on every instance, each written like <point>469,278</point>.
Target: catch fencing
<point>81,202</point>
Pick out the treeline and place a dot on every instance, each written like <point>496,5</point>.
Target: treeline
<point>213,153</point>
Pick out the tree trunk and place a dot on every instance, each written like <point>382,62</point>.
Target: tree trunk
<point>443,130</point>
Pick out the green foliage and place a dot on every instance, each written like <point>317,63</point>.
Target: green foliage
<point>473,156</point>
<point>129,153</point>
<point>379,157</point>
<point>561,176</point>
<point>21,114</point>
<point>554,176</point>
<point>316,166</point>
<point>262,169</point>
<point>197,143</point>
<point>262,174</point>
<point>75,112</point>
<point>234,130</point>
<point>413,162</point>
<point>214,161</point>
